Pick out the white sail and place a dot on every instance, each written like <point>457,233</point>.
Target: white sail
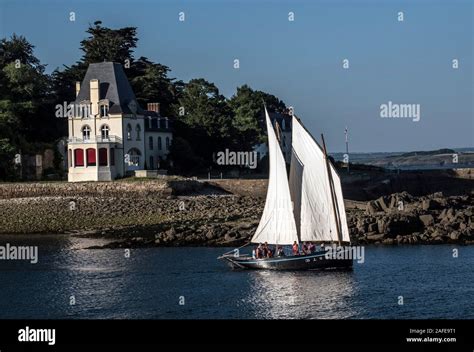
<point>310,188</point>
<point>277,225</point>
<point>340,204</point>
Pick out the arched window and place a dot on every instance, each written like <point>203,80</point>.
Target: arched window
<point>129,132</point>
<point>167,143</point>
<point>90,153</point>
<point>138,129</point>
<point>150,142</point>
<point>104,132</point>
<point>86,133</point>
<point>159,143</point>
<point>102,156</point>
<point>78,157</point>
<point>104,110</point>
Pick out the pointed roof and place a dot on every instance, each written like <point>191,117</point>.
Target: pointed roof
<point>114,86</point>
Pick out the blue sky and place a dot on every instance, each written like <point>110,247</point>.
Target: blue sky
<point>407,62</point>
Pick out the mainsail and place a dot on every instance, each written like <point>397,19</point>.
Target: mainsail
<point>311,190</point>
<point>307,207</point>
<point>277,225</point>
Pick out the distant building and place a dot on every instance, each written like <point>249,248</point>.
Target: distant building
<point>283,133</point>
<point>110,135</point>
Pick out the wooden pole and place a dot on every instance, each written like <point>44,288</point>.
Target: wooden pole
<point>333,195</point>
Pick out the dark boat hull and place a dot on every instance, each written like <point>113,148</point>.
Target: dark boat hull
<point>313,261</point>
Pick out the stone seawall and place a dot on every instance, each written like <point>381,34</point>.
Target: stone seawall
<point>159,187</point>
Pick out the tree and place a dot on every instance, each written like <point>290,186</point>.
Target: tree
<point>206,123</point>
<point>103,44</point>
<point>7,153</point>
<point>247,108</point>
<point>106,44</point>
<point>183,156</point>
<point>152,84</point>
<point>25,94</point>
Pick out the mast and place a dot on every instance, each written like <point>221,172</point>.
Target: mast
<point>333,194</point>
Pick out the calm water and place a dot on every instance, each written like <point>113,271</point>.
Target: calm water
<point>150,283</point>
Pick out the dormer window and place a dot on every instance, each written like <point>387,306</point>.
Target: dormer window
<point>129,132</point>
<point>84,111</point>
<point>86,133</point>
<point>104,110</point>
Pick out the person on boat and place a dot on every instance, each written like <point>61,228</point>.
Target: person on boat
<point>259,251</point>
<point>306,248</point>
<point>322,247</point>
<point>280,251</point>
<point>295,248</point>
<point>264,250</point>
<point>267,252</point>
<point>311,247</point>
<point>254,252</point>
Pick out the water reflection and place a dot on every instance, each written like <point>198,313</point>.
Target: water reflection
<point>302,295</point>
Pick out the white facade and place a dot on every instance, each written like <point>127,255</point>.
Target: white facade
<point>109,136</point>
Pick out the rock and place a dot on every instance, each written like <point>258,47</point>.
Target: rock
<point>454,235</point>
<point>230,237</point>
<point>438,233</point>
<point>171,232</point>
<point>427,204</point>
<point>373,207</point>
<point>427,219</point>
<point>388,241</point>
<point>382,225</point>
<point>450,213</point>
<point>375,237</point>
<point>372,227</point>
<point>211,234</point>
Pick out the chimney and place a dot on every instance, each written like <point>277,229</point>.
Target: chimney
<point>95,94</point>
<point>78,88</point>
<point>153,107</point>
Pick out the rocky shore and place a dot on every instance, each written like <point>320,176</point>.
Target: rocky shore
<point>403,219</point>
<point>192,213</point>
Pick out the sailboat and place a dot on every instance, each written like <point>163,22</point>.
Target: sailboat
<point>306,207</point>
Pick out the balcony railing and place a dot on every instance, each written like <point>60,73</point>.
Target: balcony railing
<point>96,139</point>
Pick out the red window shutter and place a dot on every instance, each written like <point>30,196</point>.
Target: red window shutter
<point>112,156</point>
<point>91,157</point>
<point>103,157</point>
<point>79,157</point>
